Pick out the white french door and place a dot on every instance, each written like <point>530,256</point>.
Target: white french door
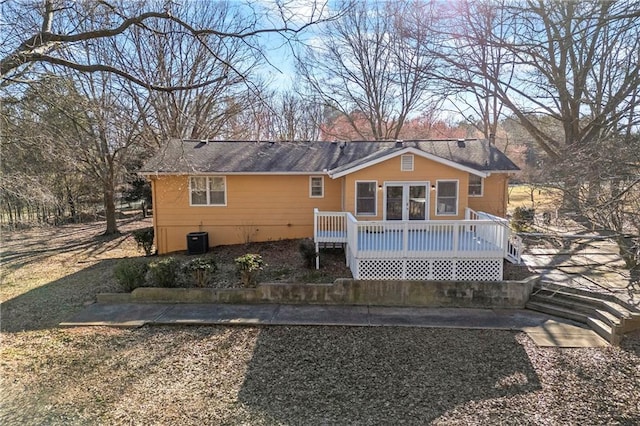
<point>406,201</point>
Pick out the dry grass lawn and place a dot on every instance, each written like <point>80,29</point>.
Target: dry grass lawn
<point>278,375</point>
<point>528,196</point>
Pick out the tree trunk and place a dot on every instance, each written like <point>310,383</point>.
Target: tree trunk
<point>10,212</point>
<point>110,209</point>
<point>629,251</point>
<point>71,203</point>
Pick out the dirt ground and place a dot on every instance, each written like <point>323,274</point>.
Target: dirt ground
<point>278,375</point>
<point>282,263</point>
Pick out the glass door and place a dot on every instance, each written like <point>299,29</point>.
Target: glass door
<point>417,202</point>
<point>395,202</point>
<point>406,201</point>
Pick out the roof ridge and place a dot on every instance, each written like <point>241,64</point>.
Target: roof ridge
<point>262,156</point>
<point>206,140</point>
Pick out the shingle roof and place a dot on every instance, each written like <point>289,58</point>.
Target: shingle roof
<point>189,156</point>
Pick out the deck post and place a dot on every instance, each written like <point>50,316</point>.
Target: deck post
<point>456,239</point>
<point>315,237</point>
<point>405,239</point>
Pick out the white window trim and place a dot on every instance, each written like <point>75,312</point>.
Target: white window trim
<point>402,157</point>
<point>311,178</point>
<point>481,188</point>
<point>207,192</point>
<point>457,181</point>
<point>375,199</point>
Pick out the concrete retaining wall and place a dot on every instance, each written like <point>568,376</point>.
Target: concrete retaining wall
<point>453,294</point>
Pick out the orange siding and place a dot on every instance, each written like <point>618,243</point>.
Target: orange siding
<point>494,199</point>
<point>423,170</point>
<point>259,208</point>
<point>272,207</point>
<point>494,190</point>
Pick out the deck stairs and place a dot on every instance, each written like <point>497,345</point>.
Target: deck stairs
<point>606,315</point>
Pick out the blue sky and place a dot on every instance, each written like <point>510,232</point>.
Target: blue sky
<point>296,13</point>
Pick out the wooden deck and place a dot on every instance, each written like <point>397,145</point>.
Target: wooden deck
<point>444,250</point>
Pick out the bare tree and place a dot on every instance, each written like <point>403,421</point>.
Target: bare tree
<point>295,117</point>
<point>572,82</point>
<point>45,32</point>
<point>371,64</point>
<point>577,63</point>
<point>108,130</point>
<point>474,63</point>
<point>172,59</point>
<point>610,197</point>
<point>40,175</point>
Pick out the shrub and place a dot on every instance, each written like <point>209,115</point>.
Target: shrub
<point>522,218</point>
<point>144,238</point>
<point>200,269</point>
<point>248,266</point>
<point>130,273</point>
<point>164,272</point>
<point>308,251</point>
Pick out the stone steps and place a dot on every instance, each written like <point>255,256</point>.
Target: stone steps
<point>607,316</point>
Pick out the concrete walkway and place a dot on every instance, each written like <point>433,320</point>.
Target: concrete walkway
<point>543,329</point>
<point>588,264</point>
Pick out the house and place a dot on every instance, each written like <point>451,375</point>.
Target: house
<point>417,197</point>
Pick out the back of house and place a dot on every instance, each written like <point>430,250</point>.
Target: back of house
<point>242,191</point>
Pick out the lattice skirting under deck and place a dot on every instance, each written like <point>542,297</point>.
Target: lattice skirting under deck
<point>428,269</point>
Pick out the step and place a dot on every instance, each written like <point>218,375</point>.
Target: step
<point>557,311</point>
<point>606,332</point>
<point>551,286</point>
<point>585,301</point>
<point>565,301</point>
<point>610,319</point>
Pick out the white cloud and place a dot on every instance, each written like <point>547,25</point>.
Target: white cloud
<point>298,12</point>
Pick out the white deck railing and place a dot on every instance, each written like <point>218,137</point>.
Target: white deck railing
<point>479,233</point>
<point>438,250</point>
<point>512,242</point>
<point>329,227</point>
<point>434,239</point>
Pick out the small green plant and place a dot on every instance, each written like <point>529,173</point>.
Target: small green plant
<point>248,266</point>
<point>522,218</point>
<point>164,272</point>
<point>144,238</point>
<point>200,269</point>
<point>308,251</point>
<point>130,273</point>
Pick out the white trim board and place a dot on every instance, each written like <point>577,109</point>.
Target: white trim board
<point>409,150</point>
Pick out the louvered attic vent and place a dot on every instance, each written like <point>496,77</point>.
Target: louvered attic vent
<point>406,163</point>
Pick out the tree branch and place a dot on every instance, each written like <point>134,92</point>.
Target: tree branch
<point>106,68</point>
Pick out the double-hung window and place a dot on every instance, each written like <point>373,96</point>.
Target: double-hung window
<point>208,191</point>
<point>366,198</point>
<point>316,187</point>
<point>447,198</point>
<point>475,186</point>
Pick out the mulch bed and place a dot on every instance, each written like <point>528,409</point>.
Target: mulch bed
<point>284,263</point>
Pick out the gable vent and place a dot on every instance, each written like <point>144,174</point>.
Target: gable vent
<point>406,163</point>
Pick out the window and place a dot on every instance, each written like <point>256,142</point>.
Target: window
<point>366,198</point>
<point>447,198</point>
<point>406,163</point>
<point>475,186</point>
<point>316,187</point>
<point>208,191</point>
